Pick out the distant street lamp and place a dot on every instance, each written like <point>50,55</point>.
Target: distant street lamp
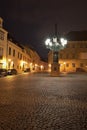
<point>55,45</point>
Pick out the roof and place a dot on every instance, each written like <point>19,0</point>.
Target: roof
<point>11,38</point>
<point>76,36</point>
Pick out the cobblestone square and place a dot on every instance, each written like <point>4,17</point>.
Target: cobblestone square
<point>42,102</point>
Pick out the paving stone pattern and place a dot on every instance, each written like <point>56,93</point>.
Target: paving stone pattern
<point>42,102</point>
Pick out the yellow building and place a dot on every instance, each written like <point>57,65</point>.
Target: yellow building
<point>74,57</point>
<point>3,45</point>
<point>15,55</point>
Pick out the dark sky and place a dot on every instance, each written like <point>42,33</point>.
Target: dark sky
<point>32,21</point>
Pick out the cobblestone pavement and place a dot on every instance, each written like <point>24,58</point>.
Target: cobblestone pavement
<point>41,102</point>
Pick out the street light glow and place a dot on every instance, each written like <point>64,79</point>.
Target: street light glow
<point>63,41</point>
<point>55,40</point>
<point>50,43</point>
<point>55,44</point>
<point>47,41</point>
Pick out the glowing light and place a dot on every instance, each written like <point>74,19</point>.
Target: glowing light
<point>47,42</point>
<point>63,41</point>
<point>22,62</point>
<point>30,64</point>
<point>12,62</point>
<point>41,67</point>
<point>61,64</point>
<point>4,63</point>
<point>55,40</point>
<point>36,65</point>
<point>9,60</point>
<point>50,43</point>
<point>49,65</point>
<point>64,63</point>
<point>57,44</point>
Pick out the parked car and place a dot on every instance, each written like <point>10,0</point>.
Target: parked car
<point>27,70</point>
<point>3,72</point>
<point>12,71</point>
<point>80,70</point>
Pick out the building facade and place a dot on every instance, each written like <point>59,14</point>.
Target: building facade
<point>15,55</point>
<point>72,58</point>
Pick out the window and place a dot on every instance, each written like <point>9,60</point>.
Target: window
<point>18,54</point>
<point>60,56</point>
<point>81,46</point>
<point>73,56</point>
<point>1,52</point>
<point>9,50</point>
<point>67,56</point>
<point>13,52</point>
<point>73,64</point>
<point>81,64</point>
<point>86,45</point>
<point>1,35</point>
<point>67,46</point>
<point>73,45</point>
<point>67,64</point>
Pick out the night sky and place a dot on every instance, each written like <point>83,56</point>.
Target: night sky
<point>32,21</point>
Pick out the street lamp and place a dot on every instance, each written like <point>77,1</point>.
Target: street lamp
<point>55,45</point>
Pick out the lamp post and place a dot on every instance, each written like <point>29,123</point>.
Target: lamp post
<point>55,45</point>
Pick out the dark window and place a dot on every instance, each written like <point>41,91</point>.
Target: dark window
<point>1,57</point>
<point>73,64</point>
<point>67,64</point>
<point>1,52</point>
<point>81,64</point>
<point>60,56</point>
<point>18,54</point>
<point>86,45</point>
<point>73,56</point>
<point>67,56</point>
<point>81,46</point>
<point>73,45</point>
<point>13,52</point>
<point>9,50</point>
<point>67,46</point>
